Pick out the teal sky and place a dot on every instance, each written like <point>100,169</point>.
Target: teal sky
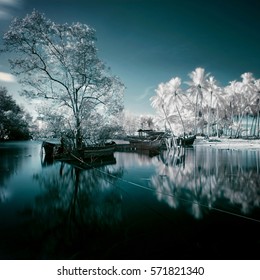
<point>146,42</point>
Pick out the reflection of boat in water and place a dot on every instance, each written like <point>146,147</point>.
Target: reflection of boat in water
<point>88,163</point>
<point>46,160</point>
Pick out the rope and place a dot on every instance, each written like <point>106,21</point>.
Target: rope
<point>166,194</point>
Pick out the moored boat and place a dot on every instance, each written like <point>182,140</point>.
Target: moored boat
<point>146,140</point>
<point>50,147</point>
<point>174,142</point>
<point>186,140</point>
<point>58,152</point>
<point>145,144</point>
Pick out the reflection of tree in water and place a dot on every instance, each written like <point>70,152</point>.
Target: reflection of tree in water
<point>77,210</point>
<point>210,178</point>
<point>10,161</point>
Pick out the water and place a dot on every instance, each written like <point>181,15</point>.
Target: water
<point>203,205</point>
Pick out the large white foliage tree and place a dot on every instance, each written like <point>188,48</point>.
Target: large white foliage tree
<point>171,104</point>
<point>60,62</point>
<point>198,85</point>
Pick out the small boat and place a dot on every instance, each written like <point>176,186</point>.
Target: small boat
<point>96,151</point>
<point>186,140</point>
<point>49,147</point>
<point>89,163</point>
<point>146,140</point>
<point>145,144</point>
<point>181,141</point>
<point>56,151</point>
<point>148,134</point>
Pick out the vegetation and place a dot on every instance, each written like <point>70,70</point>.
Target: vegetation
<point>59,63</point>
<point>206,108</point>
<point>13,120</point>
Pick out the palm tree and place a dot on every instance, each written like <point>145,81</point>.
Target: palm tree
<point>175,99</point>
<point>215,100</point>
<point>257,86</point>
<point>170,101</point>
<point>230,92</point>
<point>243,96</point>
<point>250,93</point>
<point>197,85</point>
<point>211,82</point>
<point>159,103</point>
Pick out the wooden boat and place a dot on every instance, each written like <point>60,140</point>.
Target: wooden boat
<point>90,163</point>
<point>145,144</point>
<point>56,151</point>
<point>146,140</point>
<point>147,134</point>
<point>186,141</point>
<point>49,147</point>
<point>178,142</point>
<point>95,151</point>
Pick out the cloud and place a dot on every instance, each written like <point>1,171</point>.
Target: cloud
<point>148,91</point>
<point>13,3</point>
<point>4,14</point>
<point>7,7</point>
<point>6,77</point>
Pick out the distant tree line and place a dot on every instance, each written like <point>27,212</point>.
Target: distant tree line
<point>14,121</point>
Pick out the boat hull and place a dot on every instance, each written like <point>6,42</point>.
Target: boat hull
<point>90,152</point>
<point>186,141</point>
<point>49,148</point>
<point>145,144</point>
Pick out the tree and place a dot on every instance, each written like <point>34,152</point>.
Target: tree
<point>248,90</point>
<point>176,99</point>
<point>243,97</point>
<point>197,85</point>
<point>257,125</point>
<point>159,102</point>
<point>13,120</point>
<point>214,102</point>
<point>146,122</point>
<point>217,107</point>
<point>173,106</point>
<point>170,99</point>
<point>59,62</point>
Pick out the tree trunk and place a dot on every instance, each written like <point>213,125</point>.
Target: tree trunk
<point>196,113</point>
<point>217,121</point>
<point>209,115</point>
<point>258,124</point>
<point>181,121</point>
<point>247,125</point>
<point>239,125</point>
<point>252,132</point>
<point>78,134</point>
<point>167,120</point>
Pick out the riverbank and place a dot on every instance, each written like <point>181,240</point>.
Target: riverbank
<point>226,143</point>
<point>220,143</point>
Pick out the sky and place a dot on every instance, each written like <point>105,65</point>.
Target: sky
<point>147,42</point>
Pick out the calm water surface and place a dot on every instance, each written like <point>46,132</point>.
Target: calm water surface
<point>204,205</point>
